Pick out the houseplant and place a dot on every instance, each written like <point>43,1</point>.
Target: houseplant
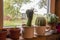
<point>28,31</point>
<point>3,34</point>
<point>14,33</point>
<point>52,20</point>
<point>41,25</point>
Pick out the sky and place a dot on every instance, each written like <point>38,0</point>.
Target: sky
<point>33,4</point>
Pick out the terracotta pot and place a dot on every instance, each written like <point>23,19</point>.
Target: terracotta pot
<point>53,26</point>
<point>40,30</point>
<point>15,33</point>
<point>28,32</point>
<point>3,34</point>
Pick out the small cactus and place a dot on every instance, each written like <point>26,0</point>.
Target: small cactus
<point>40,21</point>
<point>52,18</point>
<point>29,16</point>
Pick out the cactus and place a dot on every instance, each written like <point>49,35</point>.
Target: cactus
<point>52,18</point>
<point>40,21</point>
<point>29,13</point>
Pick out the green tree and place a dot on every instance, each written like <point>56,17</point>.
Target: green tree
<point>12,10</point>
<point>43,3</point>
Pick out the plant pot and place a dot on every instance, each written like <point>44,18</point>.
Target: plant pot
<point>15,33</point>
<point>28,32</point>
<point>3,34</point>
<point>53,26</point>
<point>40,30</point>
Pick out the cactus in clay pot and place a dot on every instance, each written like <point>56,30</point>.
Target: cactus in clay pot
<point>29,30</point>
<point>52,20</point>
<point>41,25</point>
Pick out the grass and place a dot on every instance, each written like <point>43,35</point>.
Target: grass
<point>13,23</point>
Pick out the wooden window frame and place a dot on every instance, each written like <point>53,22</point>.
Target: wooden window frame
<point>1,14</point>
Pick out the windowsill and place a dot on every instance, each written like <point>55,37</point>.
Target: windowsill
<point>12,26</point>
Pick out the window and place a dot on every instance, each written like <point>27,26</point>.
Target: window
<point>15,11</point>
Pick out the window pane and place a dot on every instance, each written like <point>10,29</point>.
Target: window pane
<point>15,11</point>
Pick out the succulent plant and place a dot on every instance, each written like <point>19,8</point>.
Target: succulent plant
<point>40,21</point>
<point>29,13</point>
<point>51,18</point>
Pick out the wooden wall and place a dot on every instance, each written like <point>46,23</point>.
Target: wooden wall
<point>57,8</point>
<point>1,13</point>
<point>52,10</point>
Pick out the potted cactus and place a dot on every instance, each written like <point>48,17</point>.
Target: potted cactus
<point>3,34</point>
<point>28,29</point>
<point>52,20</point>
<point>41,25</point>
<point>14,33</point>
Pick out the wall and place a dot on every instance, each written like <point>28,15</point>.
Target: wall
<point>57,8</point>
<point>1,13</point>
<point>52,10</point>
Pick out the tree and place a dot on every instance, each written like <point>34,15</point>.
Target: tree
<point>12,10</point>
<point>43,3</point>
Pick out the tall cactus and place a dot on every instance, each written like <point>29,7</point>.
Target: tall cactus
<point>40,21</point>
<point>29,13</point>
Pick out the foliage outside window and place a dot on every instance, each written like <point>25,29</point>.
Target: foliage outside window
<point>14,11</point>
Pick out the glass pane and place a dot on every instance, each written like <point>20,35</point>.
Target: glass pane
<point>15,11</point>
